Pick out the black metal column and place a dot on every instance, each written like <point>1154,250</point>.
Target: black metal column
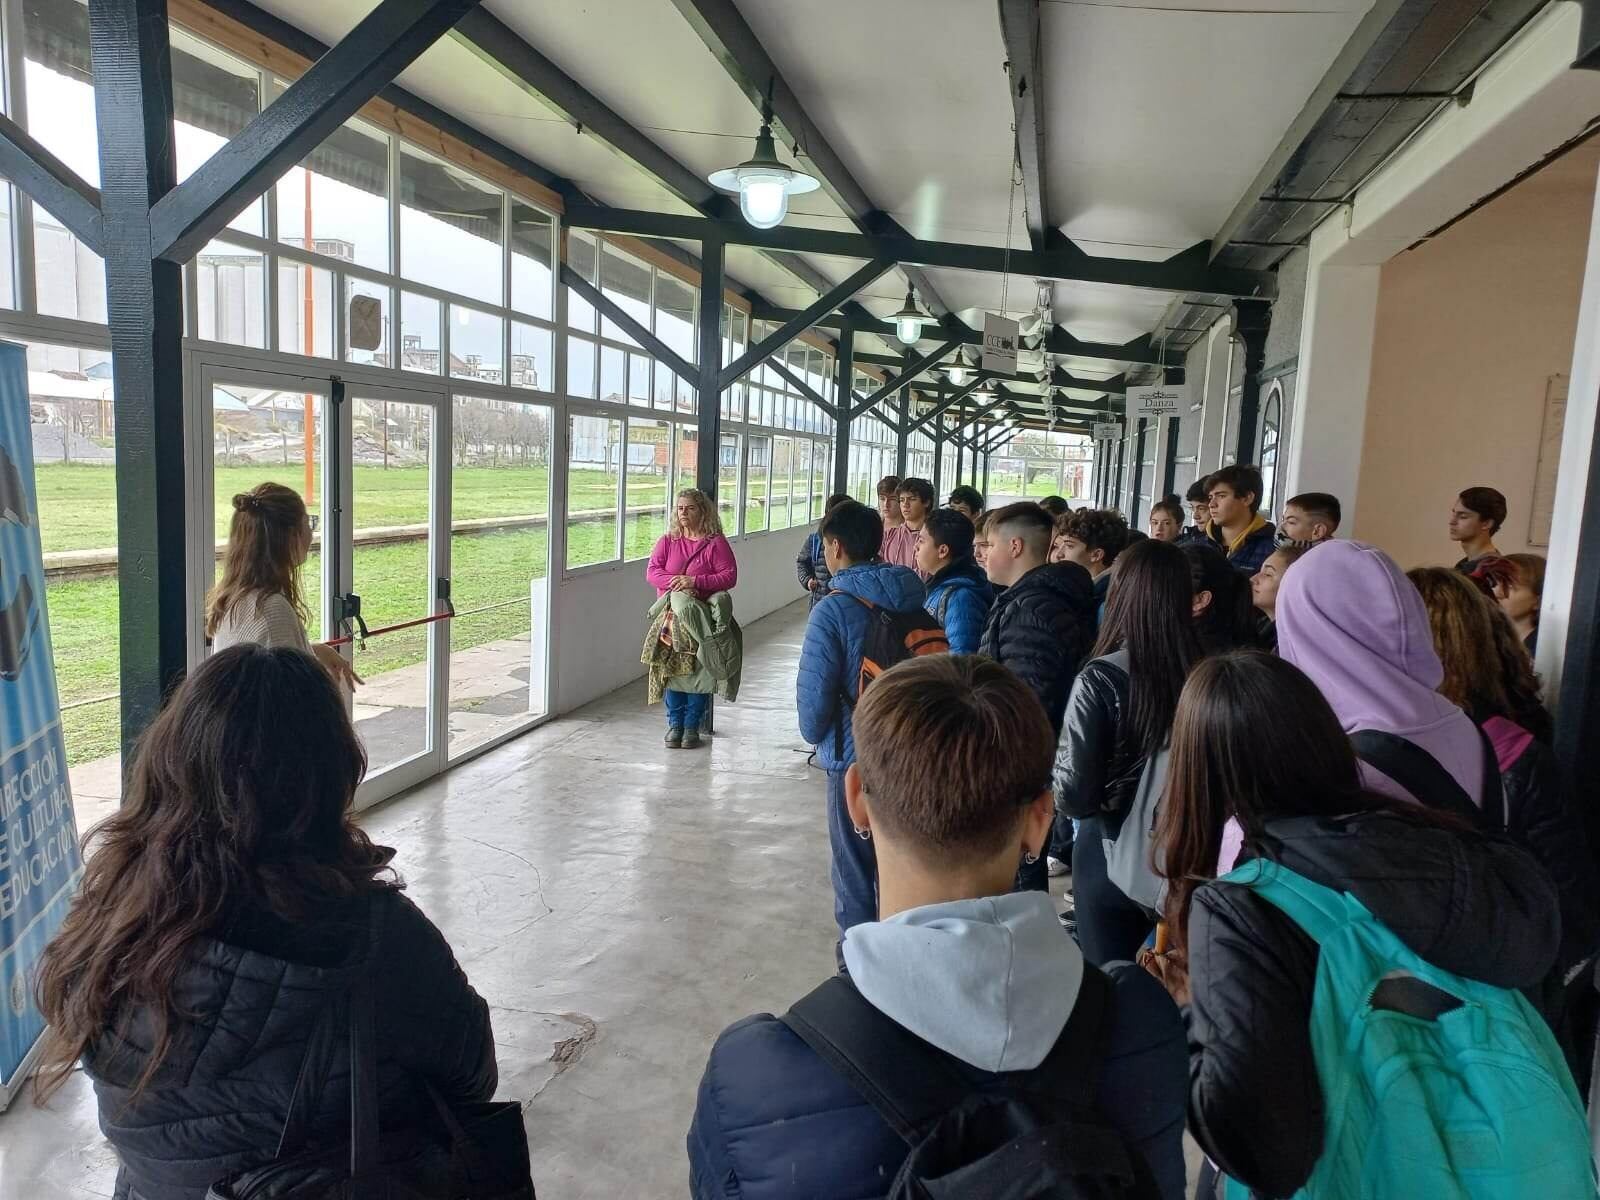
<point>961,420</point>
<point>986,477</point>
<point>1252,319</point>
<point>1169,458</point>
<point>902,436</point>
<point>844,399</point>
<point>144,300</point>
<point>708,393</point>
<point>1138,469</point>
<point>1577,735</point>
<point>938,454</point>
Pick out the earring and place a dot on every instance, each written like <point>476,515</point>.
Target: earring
<point>1030,857</point>
<point>864,834</point>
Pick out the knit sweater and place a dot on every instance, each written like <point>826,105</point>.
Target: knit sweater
<point>264,620</point>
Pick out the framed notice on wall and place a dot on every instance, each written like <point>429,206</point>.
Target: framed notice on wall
<point>1544,478</point>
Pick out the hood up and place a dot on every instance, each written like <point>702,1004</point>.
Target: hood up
<point>991,981</point>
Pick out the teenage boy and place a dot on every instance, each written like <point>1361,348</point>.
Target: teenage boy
<point>889,503</point>
<point>953,785</point>
<point>1237,529</point>
<point>900,543</point>
<point>830,669</point>
<point>1198,498</point>
<point>959,595</point>
<point>809,565</point>
<point>1475,518</point>
<point>1040,627</point>
<point>968,500</point>
<point>1092,538</point>
<point>1308,518</point>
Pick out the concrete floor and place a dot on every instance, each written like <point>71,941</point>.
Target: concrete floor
<point>617,903</point>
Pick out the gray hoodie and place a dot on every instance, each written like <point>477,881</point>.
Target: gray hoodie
<point>991,981</point>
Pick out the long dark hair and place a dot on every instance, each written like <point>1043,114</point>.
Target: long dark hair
<point>239,794</point>
<point>1147,613</point>
<point>1229,621</point>
<point>1254,740</point>
<point>1487,673</point>
<point>264,549</point>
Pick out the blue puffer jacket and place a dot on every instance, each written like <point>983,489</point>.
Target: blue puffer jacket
<point>990,981</point>
<point>959,598</point>
<point>830,659</point>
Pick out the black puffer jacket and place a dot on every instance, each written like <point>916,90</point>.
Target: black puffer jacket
<point>247,1003</point>
<point>1468,904</point>
<point>1098,762</point>
<point>1040,628</point>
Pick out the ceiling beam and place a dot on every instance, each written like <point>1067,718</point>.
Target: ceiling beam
<point>912,370</point>
<point>1116,386</point>
<point>1333,81</point>
<point>1190,271</point>
<point>1019,28</point>
<point>725,32</point>
<point>507,52</point>
<point>51,184</point>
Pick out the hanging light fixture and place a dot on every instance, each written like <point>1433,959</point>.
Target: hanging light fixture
<point>956,373</point>
<point>763,183</point>
<point>908,322</point>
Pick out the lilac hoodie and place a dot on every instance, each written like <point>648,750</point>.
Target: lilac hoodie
<point>1349,618</point>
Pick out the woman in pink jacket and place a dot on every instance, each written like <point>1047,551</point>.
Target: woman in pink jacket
<point>693,556</point>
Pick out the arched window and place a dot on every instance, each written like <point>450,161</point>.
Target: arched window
<point>1267,458</point>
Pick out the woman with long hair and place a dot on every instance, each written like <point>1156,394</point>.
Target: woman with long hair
<point>1224,612</point>
<point>692,556</point>
<point>227,903</point>
<point>1254,742</point>
<point>258,599</point>
<point>1118,715</point>
<point>1487,673</point>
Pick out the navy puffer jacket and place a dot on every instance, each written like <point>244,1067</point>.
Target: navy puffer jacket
<point>830,658</point>
<point>246,1005</point>
<point>775,1122</point>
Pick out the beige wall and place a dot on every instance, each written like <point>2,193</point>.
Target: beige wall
<point>1470,327</point>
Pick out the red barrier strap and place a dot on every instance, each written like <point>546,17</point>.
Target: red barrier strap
<point>372,633</point>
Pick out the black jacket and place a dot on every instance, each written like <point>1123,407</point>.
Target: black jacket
<point>1040,628</point>
<point>1468,904</point>
<point>1098,762</point>
<point>246,1005</point>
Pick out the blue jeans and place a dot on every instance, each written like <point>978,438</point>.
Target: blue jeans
<point>855,865</point>
<point>686,710</point>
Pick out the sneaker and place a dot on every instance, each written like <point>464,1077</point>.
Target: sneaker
<point>691,739</point>
<point>1069,921</point>
<point>674,738</point>
<point>1059,868</point>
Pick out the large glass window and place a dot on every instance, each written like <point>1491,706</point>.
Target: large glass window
<point>532,259</point>
<point>758,470</point>
<point>594,488</point>
<point>674,325</point>
<point>336,202</point>
<point>419,333</point>
<point>231,298</point>
<point>305,309</point>
<point>649,467</point>
<point>451,233</point>
<point>582,257</point>
<point>728,484</point>
<point>626,282</point>
<point>476,346</point>
<point>533,360</point>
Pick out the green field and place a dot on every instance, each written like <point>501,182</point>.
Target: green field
<point>77,507</point>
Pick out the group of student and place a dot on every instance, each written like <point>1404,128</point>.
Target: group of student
<point>1315,755</point>
<point>1362,832</point>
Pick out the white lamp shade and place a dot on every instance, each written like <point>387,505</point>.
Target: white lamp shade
<point>764,201</point>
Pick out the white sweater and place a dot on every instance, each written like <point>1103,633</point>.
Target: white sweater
<point>264,620</point>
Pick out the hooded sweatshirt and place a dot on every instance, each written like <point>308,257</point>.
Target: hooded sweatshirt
<point>1468,904</point>
<point>990,981</point>
<point>830,657</point>
<point>1349,618</point>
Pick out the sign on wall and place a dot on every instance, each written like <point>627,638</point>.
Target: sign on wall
<point>1107,431</point>
<point>999,344</point>
<point>39,861</point>
<point>1158,400</point>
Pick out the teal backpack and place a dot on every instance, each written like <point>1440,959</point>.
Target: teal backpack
<point>1435,1087</point>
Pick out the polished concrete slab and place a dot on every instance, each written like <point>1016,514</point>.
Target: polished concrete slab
<point>617,904</point>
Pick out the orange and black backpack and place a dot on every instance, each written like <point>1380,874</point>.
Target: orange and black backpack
<point>892,637</point>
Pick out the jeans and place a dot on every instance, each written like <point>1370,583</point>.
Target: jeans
<point>1111,928</point>
<point>855,865</point>
<point>686,710</point>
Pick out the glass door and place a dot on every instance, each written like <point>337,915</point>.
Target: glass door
<point>395,585</point>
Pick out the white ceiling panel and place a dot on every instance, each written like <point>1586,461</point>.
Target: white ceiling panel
<point>912,96</point>
<point>1160,118</point>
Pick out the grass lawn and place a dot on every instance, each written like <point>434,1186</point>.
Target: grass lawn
<point>493,567</point>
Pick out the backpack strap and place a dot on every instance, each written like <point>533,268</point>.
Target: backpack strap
<point>1318,910</point>
<point>1414,769</point>
<point>911,1084</point>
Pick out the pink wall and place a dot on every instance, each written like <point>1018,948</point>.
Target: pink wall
<point>1470,326</point>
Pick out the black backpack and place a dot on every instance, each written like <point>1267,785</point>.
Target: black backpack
<point>974,1135</point>
<point>891,637</point>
